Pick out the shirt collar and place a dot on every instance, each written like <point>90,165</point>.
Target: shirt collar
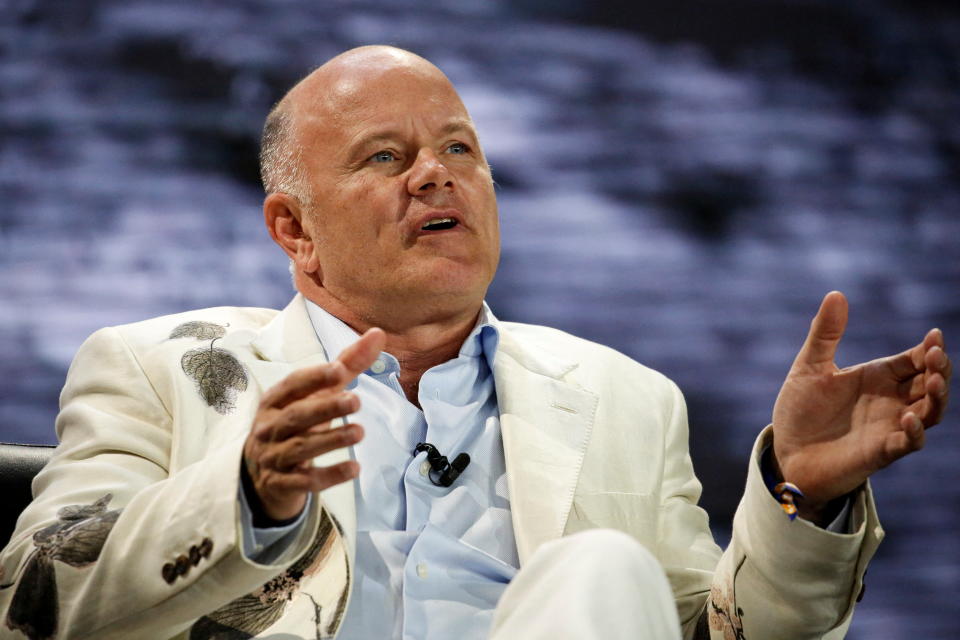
<point>335,335</point>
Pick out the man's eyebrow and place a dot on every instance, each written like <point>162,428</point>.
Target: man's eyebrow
<point>375,138</point>
<point>454,126</point>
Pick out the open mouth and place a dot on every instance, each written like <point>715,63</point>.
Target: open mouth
<point>439,224</point>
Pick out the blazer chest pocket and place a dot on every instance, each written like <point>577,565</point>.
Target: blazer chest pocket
<point>632,513</point>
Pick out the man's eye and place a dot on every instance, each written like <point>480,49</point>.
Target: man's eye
<point>458,147</point>
<point>383,156</point>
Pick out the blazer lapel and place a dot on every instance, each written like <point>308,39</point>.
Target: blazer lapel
<point>545,423</point>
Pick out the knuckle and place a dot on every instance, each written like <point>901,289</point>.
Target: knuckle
<point>266,400</point>
<point>292,416</point>
<point>330,372</point>
<point>273,484</point>
<point>295,446</point>
<point>267,460</point>
<point>258,427</point>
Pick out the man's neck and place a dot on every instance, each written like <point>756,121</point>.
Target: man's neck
<point>423,348</point>
<point>419,341</point>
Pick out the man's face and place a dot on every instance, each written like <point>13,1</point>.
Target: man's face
<point>402,198</point>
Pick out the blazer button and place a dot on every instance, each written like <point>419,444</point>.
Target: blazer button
<point>194,555</point>
<point>169,573</point>
<point>182,565</point>
<point>206,546</point>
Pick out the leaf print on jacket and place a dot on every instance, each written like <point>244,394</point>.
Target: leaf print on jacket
<point>75,539</point>
<point>253,613</point>
<point>724,615</point>
<point>199,330</point>
<point>219,376</point>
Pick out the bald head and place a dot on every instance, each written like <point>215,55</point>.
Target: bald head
<point>329,94</point>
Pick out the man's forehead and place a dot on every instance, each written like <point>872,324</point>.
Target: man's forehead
<point>361,75</point>
<point>383,104</point>
<point>349,96</point>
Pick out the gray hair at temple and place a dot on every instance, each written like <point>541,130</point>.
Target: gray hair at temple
<point>281,167</point>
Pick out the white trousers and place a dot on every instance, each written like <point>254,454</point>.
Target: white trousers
<point>594,584</point>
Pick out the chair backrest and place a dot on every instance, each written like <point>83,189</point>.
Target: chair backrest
<point>19,463</point>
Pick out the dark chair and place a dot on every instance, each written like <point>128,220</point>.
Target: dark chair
<point>19,463</point>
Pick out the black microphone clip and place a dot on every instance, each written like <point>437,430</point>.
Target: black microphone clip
<point>442,472</point>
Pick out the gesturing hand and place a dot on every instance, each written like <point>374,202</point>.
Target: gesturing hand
<point>834,427</point>
<point>292,426</point>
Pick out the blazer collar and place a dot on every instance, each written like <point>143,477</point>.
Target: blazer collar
<point>289,337</point>
<point>540,361</point>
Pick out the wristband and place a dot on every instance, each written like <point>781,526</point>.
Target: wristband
<point>787,494</point>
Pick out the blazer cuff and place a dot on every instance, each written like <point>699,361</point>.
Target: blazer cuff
<point>825,566</point>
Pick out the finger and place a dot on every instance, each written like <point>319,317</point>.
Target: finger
<point>935,401</point>
<point>947,368</point>
<point>826,329</point>
<point>907,363</point>
<point>302,383</point>
<point>935,378</point>
<point>934,338</point>
<point>306,413</point>
<point>360,355</point>
<point>913,388</point>
<point>315,479</point>
<point>936,360</point>
<point>287,455</point>
<point>325,477</point>
<point>909,438</point>
<point>913,360</point>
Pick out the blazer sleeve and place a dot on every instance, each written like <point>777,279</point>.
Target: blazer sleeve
<point>113,544</point>
<point>777,577</point>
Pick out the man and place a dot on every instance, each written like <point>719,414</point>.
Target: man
<point>201,486</point>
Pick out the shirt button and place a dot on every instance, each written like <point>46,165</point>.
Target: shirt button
<point>378,366</point>
<point>422,570</point>
<point>425,468</point>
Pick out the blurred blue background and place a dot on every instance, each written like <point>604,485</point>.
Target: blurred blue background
<point>682,180</point>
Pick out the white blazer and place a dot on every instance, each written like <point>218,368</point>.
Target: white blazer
<point>153,419</point>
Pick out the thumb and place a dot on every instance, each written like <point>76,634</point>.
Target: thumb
<point>826,330</point>
<point>361,354</point>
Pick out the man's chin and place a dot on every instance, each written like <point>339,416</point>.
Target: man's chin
<point>452,282</point>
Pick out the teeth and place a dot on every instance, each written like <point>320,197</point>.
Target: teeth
<point>436,222</point>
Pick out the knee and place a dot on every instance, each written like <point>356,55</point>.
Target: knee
<point>612,551</point>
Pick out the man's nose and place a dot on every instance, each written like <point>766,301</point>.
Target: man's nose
<point>428,174</point>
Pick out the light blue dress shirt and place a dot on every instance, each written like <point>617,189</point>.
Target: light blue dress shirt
<point>431,562</point>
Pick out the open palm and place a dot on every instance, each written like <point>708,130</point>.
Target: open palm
<point>834,427</point>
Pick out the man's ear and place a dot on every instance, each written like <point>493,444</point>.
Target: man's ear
<point>284,218</point>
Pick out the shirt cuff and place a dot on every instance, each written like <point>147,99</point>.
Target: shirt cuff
<point>264,545</point>
<point>841,524</point>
